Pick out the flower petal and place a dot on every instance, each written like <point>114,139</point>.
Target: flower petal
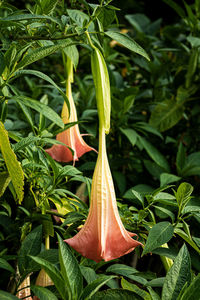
<point>103,235</point>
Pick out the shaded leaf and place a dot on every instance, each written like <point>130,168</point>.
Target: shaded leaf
<point>43,293</point>
<point>130,134</point>
<point>4,182</point>
<point>177,276</point>
<point>115,294</point>
<point>193,291</point>
<point>70,269</point>
<point>30,246</point>
<point>14,167</point>
<point>155,154</point>
<point>7,296</point>
<point>134,288</point>
<point>94,286</point>
<point>127,42</point>
<point>53,273</point>
<point>159,234</point>
<point>45,110</point>
<point>6,266</point>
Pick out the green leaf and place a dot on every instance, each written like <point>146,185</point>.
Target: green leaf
<point>128,102</point>
<point>192,66</point>
<point>180,158</point>
<point>166,178</point>
<point>106,17</point>
<point>24,142</point>
<point>140,22</point>
<point>53,273</point>
<point>40,53</point>
<point>180,11</point>
<point>127,42</point>
<point>43,293</point>
<point>23,17</point>
<point>193,291</point>
<point>154,295</point>
<point>73,54</point>
<point>14,167</point>
<point>190,209</point>
<point>143,189</point>
<point>79,17</point>
<point>155,154</point>
<point>183,194</point>
<point>115,294</point>
<point>70,269</point>
<point>30,246</point>
<point>94,286</point>
<point>192,165</point>
<point>187,238</point>
<point>159,234</point>
<point>6,266</point>
<point>2,63</point>
<point>4,182</point>
<point>48,6</point>
<point>166,212</point>
<point>177,276</point>
<point>148,128</point>
<point>157,282</point>
<point>44,77</point>
<point>167,114</point>
<point>7,296</point>
<point>134,288</point>
<point>27,114</point>
<point>88,273</point>
<point>162,251</point>
<point>45,110</point>
<point>121,269</point>
<point>130,134</point>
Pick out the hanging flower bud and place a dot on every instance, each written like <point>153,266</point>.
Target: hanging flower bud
<point>102,86</point>
<point>70,137</point>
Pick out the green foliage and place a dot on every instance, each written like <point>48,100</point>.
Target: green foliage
<point>178,275</point>
<point>14,167</point>
<point>159,234</point>
<point>151,71</point>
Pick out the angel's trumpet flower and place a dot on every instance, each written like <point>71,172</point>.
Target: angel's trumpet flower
<point>70,137</point>
<point>24,291</point>
<point>103,235</point>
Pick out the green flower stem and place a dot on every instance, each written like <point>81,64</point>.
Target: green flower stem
<point>89,40</point>
<point>47,242</point>
<point>167,262</point>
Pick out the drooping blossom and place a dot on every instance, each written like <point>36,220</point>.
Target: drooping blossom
<point>103,235</point>
<point>70,137</point>
<point>24,291</point>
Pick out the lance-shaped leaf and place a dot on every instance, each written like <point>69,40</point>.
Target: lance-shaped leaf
<point>178,275</point>
<point>127,42</point>
<point>14,167</point>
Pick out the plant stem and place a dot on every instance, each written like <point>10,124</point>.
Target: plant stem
<point>47,243</point>
<point>167,262</point>
<point>25,37</point>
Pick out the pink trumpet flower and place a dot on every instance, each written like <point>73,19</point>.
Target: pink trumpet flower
<point>24,291</point>
<point>103,235</point>
<point>70,137</point>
